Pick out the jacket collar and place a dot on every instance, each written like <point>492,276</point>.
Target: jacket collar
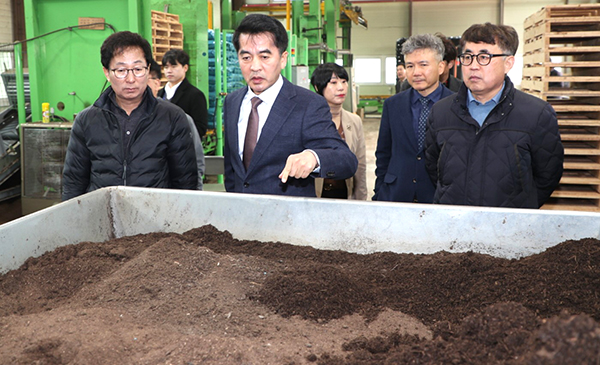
<point>149,102</point>
<point>463,99</point>
<point>504,106</point>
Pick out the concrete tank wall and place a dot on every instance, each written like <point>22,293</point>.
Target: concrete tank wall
<point>361,227</point>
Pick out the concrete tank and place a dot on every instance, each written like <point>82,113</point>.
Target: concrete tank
<point>361,227</point>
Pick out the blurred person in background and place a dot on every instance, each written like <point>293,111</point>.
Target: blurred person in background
<point>400,76</point>
<point>155,85</point>
<point>331,81</point>
<point>447,77</point>
<point>181,92</point>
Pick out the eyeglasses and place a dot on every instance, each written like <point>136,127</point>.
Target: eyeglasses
<point>483,59</point>
<point>121,73</point>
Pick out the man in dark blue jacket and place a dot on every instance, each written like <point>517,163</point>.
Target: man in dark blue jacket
<point>490,144</point>
<point>128,137</point>
<point>401,174</point>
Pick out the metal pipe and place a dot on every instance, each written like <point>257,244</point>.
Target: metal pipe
<point>210,15</point>
<point>272,7</point>
<point>410,17</point>
<point>20,80</point>
<point>288,14</point>
<point>501,12</point>
<point>220,97</point>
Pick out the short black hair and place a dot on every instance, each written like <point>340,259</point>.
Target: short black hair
<point>155,69</point>
<point>322,75</point>
<point>504,36</point>
<point>259,23</point>
<point>119,42</point>
<point>450,53</point>
<point>174,56</point>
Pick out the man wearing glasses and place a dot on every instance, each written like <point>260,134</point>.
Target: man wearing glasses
<point>490,144</point>
<point>128,137</point>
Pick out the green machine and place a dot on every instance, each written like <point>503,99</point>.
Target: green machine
<point>316,31</point>
<point>64,39</point>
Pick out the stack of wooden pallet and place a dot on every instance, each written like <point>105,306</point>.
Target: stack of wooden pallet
<point>167,33</point>
<point>562,65</point>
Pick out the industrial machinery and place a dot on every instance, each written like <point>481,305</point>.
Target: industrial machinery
<point>10,183</point>
<point>64,70</point>
<point>313,28</point>
<point>10,153</point>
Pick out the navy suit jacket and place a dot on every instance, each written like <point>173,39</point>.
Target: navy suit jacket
<point>400,172</point>
<point>299,119</point>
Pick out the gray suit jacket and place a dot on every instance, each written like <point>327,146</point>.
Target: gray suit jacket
<point>299,119</point>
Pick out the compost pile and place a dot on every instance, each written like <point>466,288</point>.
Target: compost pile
<point>205,298</point>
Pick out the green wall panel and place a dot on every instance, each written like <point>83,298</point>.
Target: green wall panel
<point>65,67</point>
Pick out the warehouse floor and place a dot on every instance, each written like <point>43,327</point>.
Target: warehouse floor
<point>11,209</point>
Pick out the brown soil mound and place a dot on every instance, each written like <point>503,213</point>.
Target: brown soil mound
<point>204,297</point>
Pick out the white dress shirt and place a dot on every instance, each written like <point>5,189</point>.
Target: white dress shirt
<point>268,99</point>
<point>170,90</point>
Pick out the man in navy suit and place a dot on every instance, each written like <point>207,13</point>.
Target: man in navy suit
<point>288,128</point>
<point>400,162</point>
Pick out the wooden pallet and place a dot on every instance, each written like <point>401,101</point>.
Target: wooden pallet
<point>167,33</point>
<point>567,38</point>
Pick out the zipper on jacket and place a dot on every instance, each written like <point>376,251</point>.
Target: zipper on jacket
<point>124,148</point>
<point>520,176</point>
<point>439,171</point>
<point>125,172</point>
<point>116,120</point>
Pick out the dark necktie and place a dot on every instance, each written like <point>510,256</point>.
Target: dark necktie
<point>251,132</point>
<point>423,121</point>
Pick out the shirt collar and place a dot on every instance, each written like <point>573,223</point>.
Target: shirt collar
<point>495,99</point>
<point>435,95</point>
<point>270,94</point>
<point>174,87</point>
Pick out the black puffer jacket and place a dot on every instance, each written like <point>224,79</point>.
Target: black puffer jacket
<point>160,153</point>
<point>514,160</point>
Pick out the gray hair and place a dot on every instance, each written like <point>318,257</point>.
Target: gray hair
<point>424,41</point>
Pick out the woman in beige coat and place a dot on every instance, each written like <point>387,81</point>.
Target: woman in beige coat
<point>331,81</point>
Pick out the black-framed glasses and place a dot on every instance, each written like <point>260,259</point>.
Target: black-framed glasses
<point>483,59</point>
<point>138,71</point>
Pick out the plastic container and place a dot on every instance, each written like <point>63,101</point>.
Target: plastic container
<point>45,112</point>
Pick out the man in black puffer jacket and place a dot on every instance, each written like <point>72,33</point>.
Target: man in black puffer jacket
<point>490,144</point>
<point>128,137</point>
